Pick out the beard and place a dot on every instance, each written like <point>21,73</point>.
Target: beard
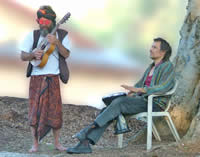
<point>44,30</point>
<point>152,57</point>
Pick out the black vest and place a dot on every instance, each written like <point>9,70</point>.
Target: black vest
<point>64,71</point>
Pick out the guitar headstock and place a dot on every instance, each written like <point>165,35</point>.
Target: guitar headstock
<point>65,18</point>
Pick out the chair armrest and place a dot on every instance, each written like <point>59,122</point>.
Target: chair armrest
<point>170,92</point>
<point>157,95</point>
<point>150,102</point>
<point>150,98</point>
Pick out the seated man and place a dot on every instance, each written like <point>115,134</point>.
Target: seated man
<point>157,79</point>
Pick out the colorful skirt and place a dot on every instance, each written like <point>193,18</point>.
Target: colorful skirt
<point>45,105</point>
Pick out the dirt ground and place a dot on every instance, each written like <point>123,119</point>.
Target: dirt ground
<point>15,134</point>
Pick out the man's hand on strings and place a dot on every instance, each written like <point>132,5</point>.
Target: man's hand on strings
<point>52,39</point>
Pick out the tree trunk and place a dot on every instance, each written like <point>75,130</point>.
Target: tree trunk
<point>185,102</point>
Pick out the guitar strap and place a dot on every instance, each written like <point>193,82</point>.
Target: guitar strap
<point>64,71</point>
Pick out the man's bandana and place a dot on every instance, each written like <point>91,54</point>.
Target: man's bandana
<point>46,12</point>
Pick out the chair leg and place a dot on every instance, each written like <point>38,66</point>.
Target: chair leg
<point>149,133</point>
<point>120,140</point>
<point>155,132</point>
<point>172,128</point>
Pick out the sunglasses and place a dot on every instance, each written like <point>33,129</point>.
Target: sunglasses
<point>43,21</point>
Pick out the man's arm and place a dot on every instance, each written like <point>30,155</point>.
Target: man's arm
<point>166,77</point>
<point>53,40</point>
<point>27,56</point>
<point>138,87</point>
<point>35,54</point>
<point>63,51</point>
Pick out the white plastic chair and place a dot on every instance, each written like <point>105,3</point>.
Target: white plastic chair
<point>150,125</point>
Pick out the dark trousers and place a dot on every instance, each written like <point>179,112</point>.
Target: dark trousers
<point>122,105</point>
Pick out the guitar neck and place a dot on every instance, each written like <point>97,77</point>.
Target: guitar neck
<point>55,29</point>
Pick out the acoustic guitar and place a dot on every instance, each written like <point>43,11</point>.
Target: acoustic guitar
<point>46,46</point>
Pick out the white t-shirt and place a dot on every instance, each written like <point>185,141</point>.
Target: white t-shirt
<point>52,65</point>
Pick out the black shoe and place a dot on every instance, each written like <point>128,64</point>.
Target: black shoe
<point>80,148</point>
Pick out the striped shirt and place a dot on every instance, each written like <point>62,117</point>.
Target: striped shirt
<point>162,81</point>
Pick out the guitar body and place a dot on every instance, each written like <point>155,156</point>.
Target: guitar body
<point>46,56</point>
<point>41,63</point>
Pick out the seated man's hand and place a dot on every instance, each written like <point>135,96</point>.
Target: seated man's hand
<point>130,94</point>
<point>130,88</point>
<point>133,89</point>
<point>141,90</point>
<point>127,87</point>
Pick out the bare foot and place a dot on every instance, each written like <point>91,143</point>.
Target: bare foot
<point>60,147</point>
<point>33,149</point>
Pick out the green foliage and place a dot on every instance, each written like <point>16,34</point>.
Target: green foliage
<point>136,22</point>
<point>150,7</point>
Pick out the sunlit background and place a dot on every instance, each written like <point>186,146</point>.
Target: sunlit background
<point>110,42</point>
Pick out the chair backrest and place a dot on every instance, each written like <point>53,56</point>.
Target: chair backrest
<point>170,93</point>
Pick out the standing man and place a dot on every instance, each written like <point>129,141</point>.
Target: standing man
<point>45,105</point>
<point>158,78</point>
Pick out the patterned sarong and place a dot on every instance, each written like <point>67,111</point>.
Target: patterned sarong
<point>45,110</point>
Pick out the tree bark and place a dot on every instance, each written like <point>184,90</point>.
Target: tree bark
<point>185,102</point>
